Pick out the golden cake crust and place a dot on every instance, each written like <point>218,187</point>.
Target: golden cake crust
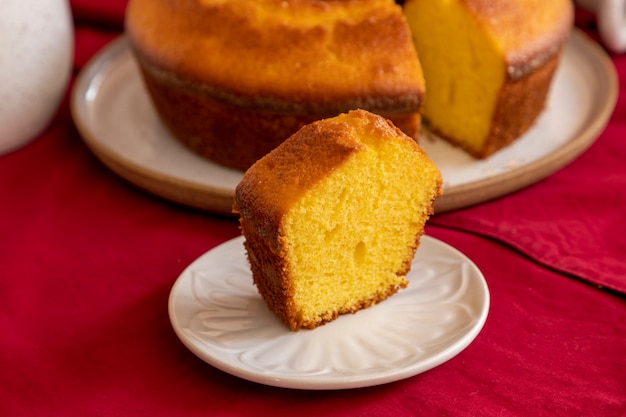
<point>232,80</point>
<point>530,32</point>
<point>281,51</point>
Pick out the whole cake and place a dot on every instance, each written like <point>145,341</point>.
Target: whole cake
<point>233,79</point>
<point>488,65</point>
<point>332,217</point>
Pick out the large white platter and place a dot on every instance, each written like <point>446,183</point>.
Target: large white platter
<point>218,314</point>
<point>117,121</point>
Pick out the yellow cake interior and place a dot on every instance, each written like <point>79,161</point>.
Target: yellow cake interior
<point>350,235</point>
<point>463,66</point>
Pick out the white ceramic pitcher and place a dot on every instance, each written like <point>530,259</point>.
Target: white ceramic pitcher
<point>36,54</point>
<point>611,15</point>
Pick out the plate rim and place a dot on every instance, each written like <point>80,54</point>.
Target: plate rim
<point>325,382</point>
<point>219,200</point>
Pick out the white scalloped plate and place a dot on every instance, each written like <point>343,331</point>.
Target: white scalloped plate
<point>217,313</point>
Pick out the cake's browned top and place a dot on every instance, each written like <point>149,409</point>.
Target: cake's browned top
<point>529,32</point>
<point>322,51</point>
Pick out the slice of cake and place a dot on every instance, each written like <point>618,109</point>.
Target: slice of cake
<point>333,216</point>
<point>488,65</point>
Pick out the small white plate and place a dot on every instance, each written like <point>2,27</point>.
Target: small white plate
<point>116,119</point>
<point>218,314</point>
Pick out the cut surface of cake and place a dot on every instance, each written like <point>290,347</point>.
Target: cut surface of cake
<point>488,65</point>
<point>233,79</point>
<point>332,217</point>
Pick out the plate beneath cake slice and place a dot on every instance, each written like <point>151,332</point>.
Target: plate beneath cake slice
<point>118,123</point>
<point>218,314</point>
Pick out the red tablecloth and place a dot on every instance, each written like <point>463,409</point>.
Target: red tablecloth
<point>87,262</point>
